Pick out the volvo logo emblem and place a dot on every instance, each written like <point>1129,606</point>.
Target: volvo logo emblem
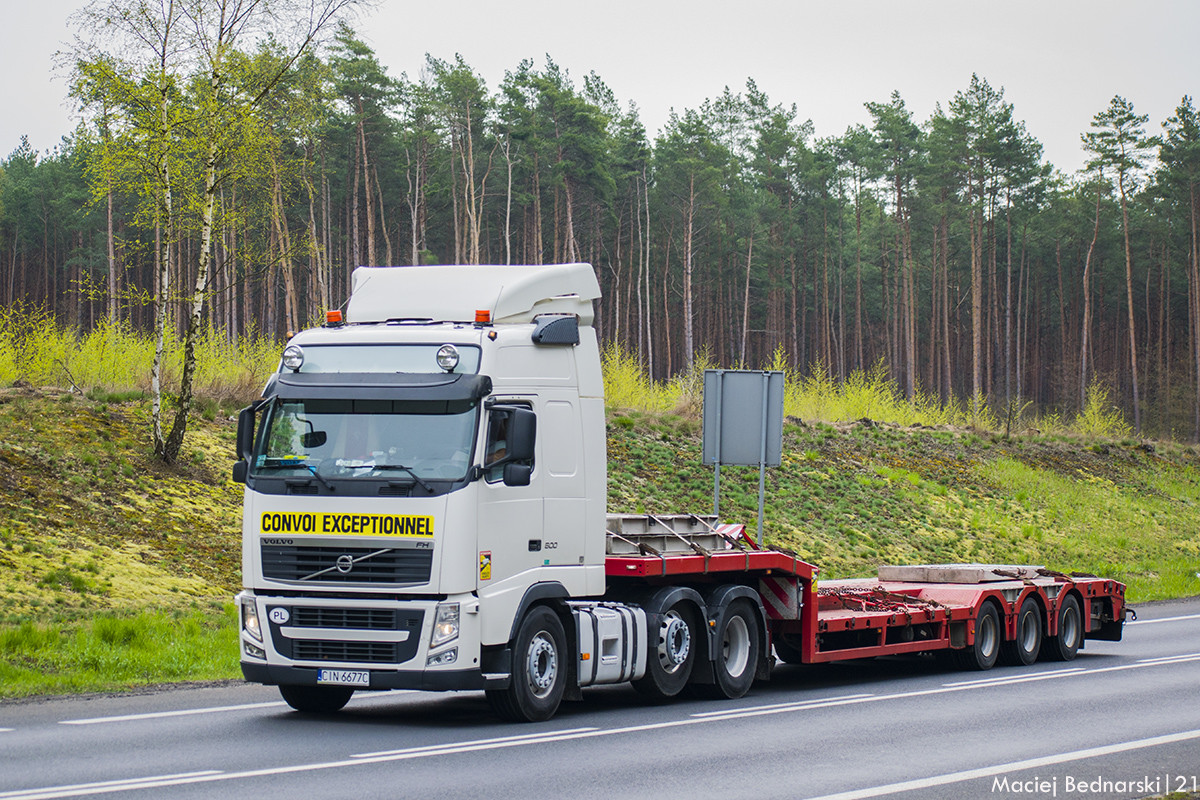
<point>344,563</point>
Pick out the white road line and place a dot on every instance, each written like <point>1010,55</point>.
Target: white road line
<point>6,730</point>
<point>185,712</point>
<point>431,748</point>
<point>1004,679</point>
<point>1164,619</point>
<point>1161,659</point>
<point>1013,766</point>
<point>104,786</point>
<point>799,705</point>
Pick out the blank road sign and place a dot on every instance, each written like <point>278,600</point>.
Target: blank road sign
<point>733,417</point>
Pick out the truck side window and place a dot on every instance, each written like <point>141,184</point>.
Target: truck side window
<point>495,454</point>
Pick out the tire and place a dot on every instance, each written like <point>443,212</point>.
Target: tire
<point>788,653</point>
<point>1024,648</point>
<point>1065,646</point>
<point>983,654</point>
<point>316,699</point>
<point>539,670</point>
<point>737,651</point>
<point>672,654</point>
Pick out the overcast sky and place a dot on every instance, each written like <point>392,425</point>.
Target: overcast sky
<point>1059,61</point>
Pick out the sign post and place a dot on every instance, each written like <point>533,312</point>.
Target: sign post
<point>743,425</point>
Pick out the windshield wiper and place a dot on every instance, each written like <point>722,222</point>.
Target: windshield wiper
<point>414,475</point>
<point>319,477</point>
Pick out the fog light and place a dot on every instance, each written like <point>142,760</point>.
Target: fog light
<point>254,652</point>
<point>441,659</point>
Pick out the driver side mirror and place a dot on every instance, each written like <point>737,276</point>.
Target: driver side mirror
<point>245,443</point>
<point>522,433</point>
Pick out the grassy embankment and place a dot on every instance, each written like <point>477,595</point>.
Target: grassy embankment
<point>117,571</point>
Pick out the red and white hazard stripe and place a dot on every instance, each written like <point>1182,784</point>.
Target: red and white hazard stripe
<point>781,597</point>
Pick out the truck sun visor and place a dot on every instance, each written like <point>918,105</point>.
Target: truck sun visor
<point>381,386</point>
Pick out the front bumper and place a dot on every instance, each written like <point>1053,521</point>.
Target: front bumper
<point>387,638</point>
<point>428,680</point>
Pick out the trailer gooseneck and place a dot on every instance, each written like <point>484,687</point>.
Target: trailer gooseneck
<point>425,509</point>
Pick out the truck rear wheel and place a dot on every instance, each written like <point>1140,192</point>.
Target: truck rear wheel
<point>672,654</point>
<point>737,656</point>
<point>983,654</point>
<point>1023,649</point>
<point>538,671</point>
<point>316,699</point>
<point>1065,646</point>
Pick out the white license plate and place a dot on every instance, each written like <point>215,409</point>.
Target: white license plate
<point>344,677</point>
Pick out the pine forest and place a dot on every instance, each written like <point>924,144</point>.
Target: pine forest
<point>945,252</point>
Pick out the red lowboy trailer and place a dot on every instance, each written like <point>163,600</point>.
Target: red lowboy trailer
<point>978,614</point>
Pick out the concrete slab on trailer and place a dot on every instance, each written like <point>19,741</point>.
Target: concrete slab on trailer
<point>958,573</point>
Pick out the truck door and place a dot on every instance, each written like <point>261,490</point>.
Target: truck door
<point>510,517</point>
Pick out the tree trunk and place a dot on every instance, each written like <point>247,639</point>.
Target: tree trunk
<point>1133,363</point>
<point>1085,328</point>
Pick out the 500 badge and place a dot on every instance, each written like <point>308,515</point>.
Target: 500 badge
<point>416,527</point>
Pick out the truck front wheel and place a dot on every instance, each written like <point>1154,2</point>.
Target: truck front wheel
<point>538,674</point>
<point>672,654</point>
<point>316,699</point>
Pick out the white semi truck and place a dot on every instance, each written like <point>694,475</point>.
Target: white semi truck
<point>425,508</point>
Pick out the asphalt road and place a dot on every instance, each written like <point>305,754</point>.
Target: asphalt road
<point>1122,720</point>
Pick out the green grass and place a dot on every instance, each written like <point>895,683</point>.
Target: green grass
<point>118,650</point>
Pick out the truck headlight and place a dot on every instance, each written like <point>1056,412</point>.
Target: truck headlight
<point>447,357</point>
<point>250,618</point>
<point>293,357</point>
<point>445,624</point>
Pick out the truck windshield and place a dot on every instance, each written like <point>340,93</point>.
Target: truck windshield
<point>404,440</point>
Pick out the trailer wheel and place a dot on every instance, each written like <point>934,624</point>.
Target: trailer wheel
<point>1023,650</point>
<point>787,652</point>
<point>316,699</point>
<point>737,656</point>
<point>538,675</point>
<point>1065,646</point>
<point>672,654</point>
<point>983,654</point>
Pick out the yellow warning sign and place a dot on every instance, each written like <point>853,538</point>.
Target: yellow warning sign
<point>485,565</point>
<point>276,522</point>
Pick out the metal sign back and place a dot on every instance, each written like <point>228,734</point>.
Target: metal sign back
<point>742,409</point>
<point>743,425</point>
